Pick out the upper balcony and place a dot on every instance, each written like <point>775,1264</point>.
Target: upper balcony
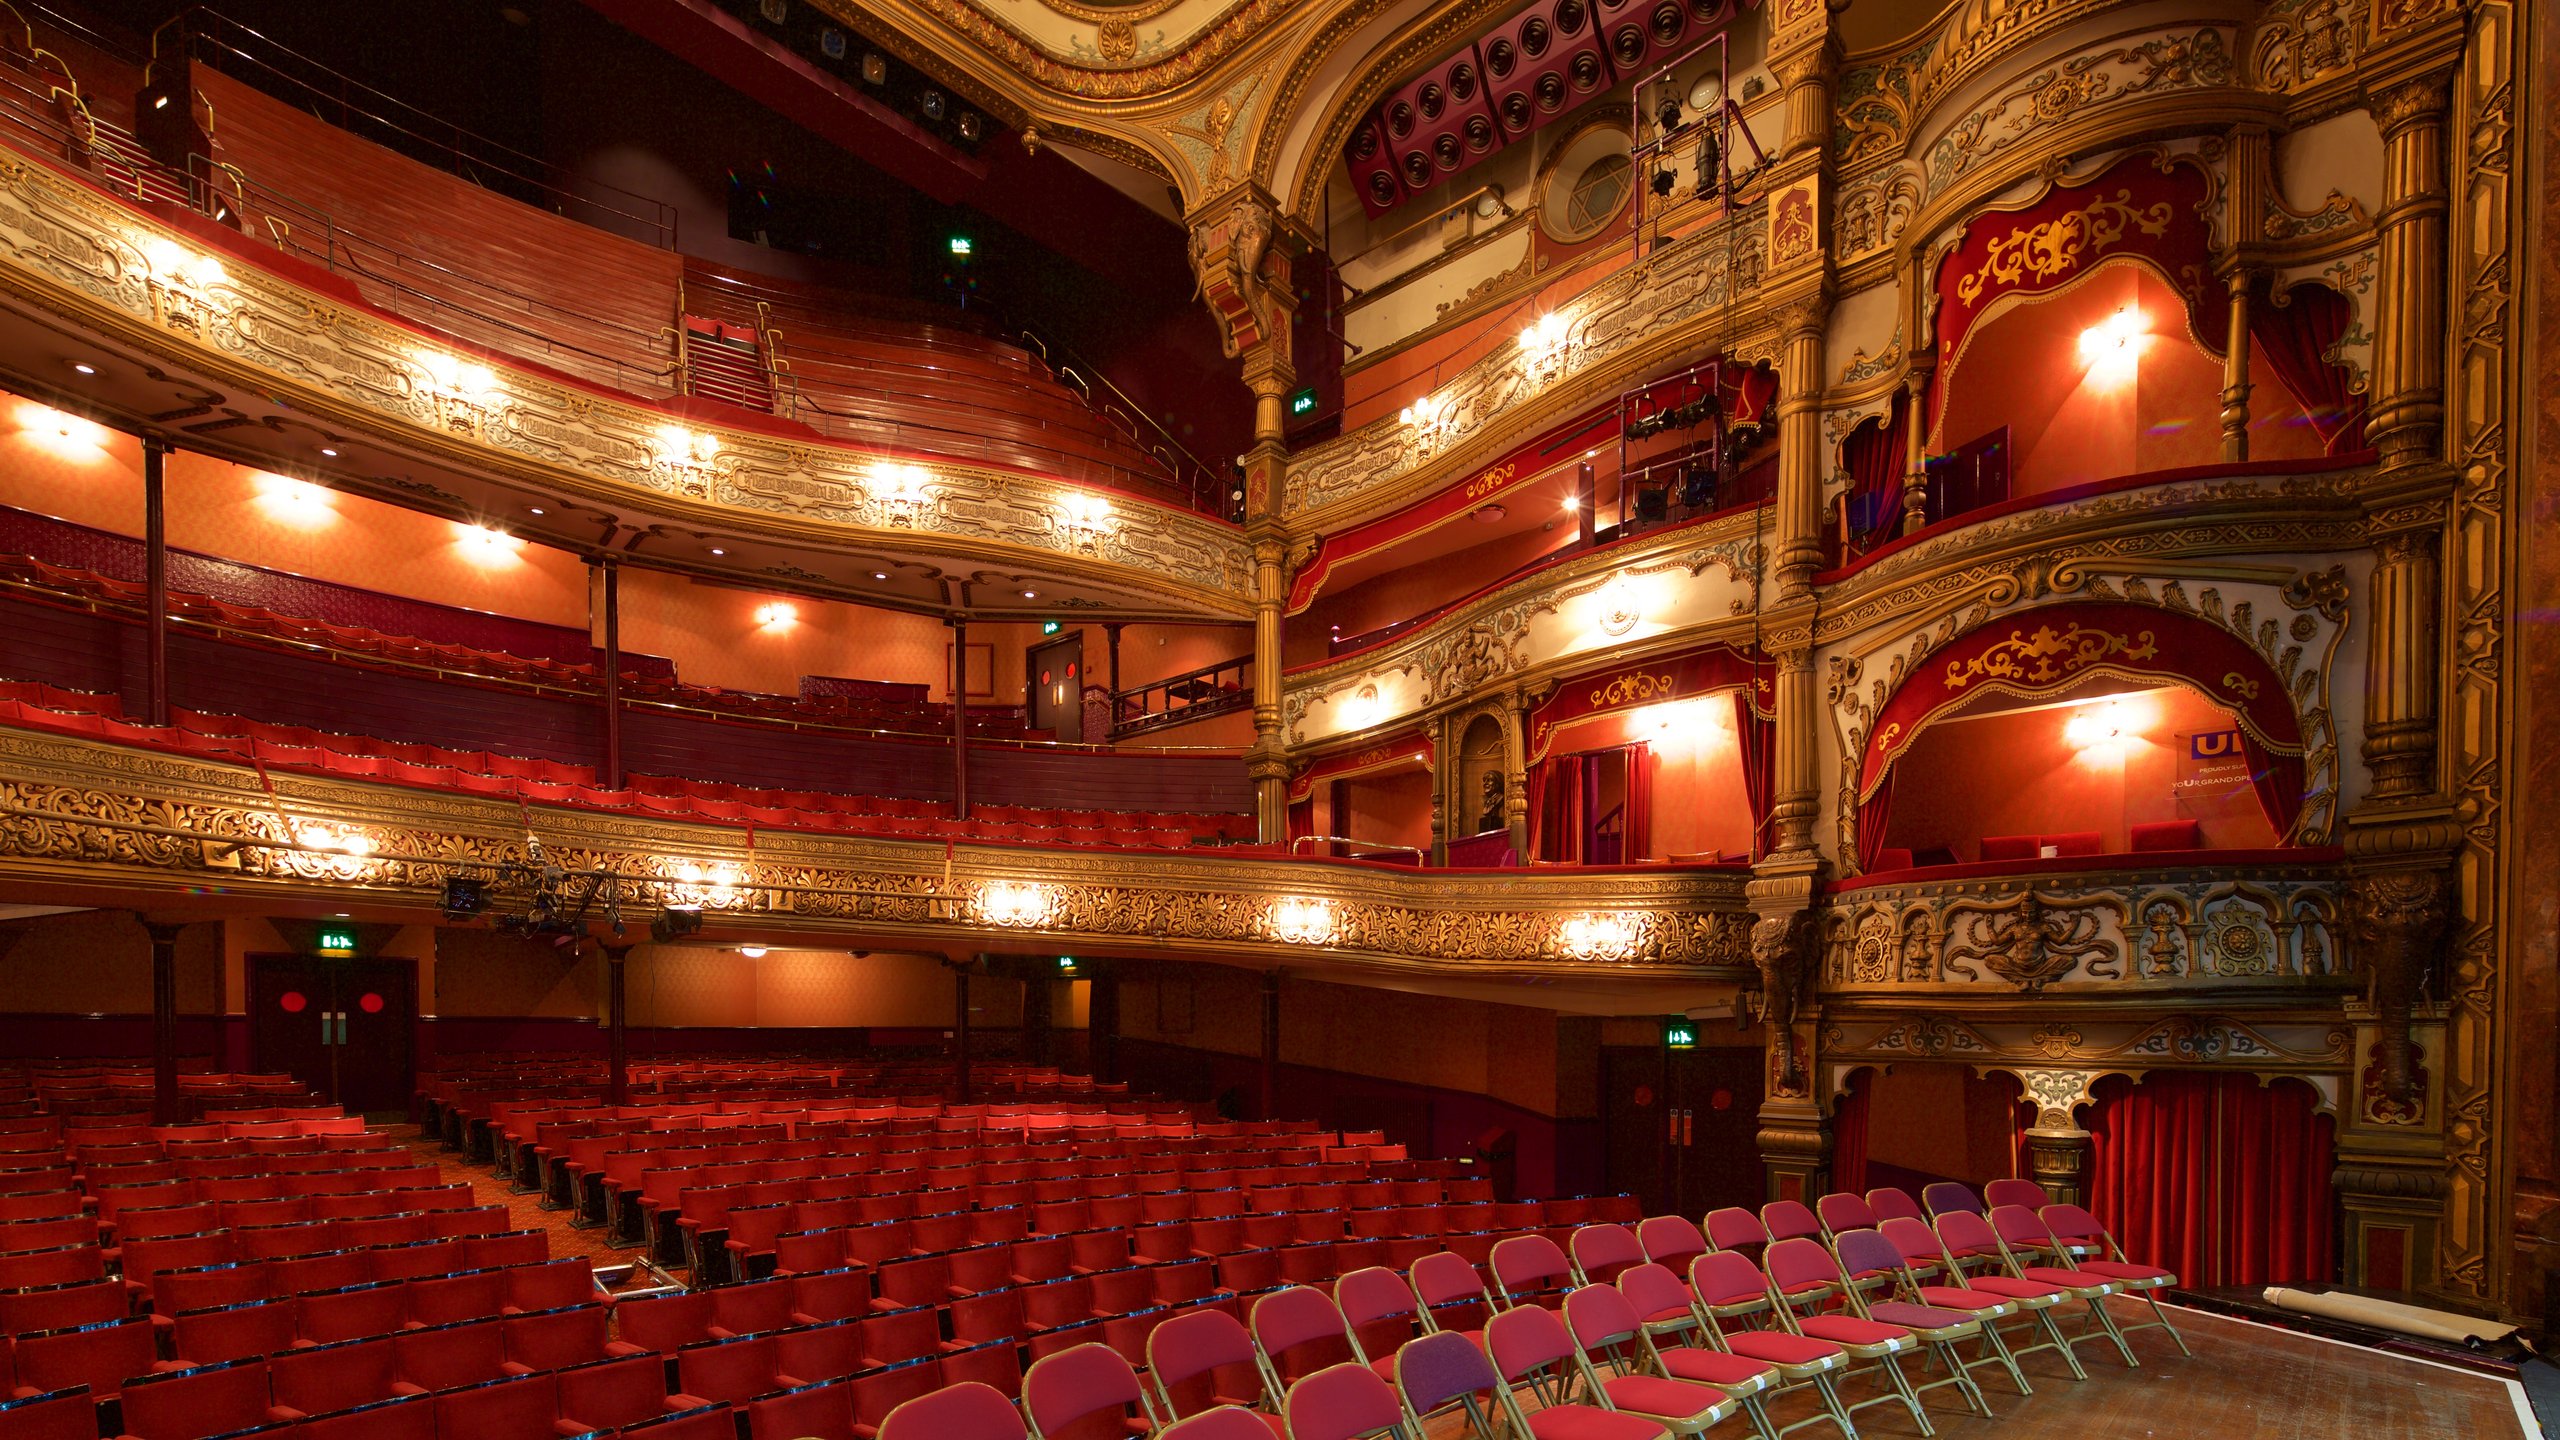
<point>361,317</point>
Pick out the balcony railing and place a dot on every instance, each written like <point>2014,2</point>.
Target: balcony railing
<point>1196,695</point>
<point>2104,925</point>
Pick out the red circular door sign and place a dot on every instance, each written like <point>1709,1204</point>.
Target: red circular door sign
<point>371,1004</point>
<point>292,1002</point>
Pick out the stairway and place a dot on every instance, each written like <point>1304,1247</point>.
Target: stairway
<point>725,364</point>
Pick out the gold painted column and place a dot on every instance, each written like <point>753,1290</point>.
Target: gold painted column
<point>2235,368</point>
<point>2393,1117</point>
<point>2407,420</point>
<point>2057,1150</point>
<point>1915,454</point>
<point>1800,448</point>
<point>1268,761</point>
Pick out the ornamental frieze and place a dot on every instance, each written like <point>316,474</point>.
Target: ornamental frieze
<point>1665,587</point>
<point>1618,319</point>
<point>77,251</point>
<point>106,814</point>
<point>2132,930</point>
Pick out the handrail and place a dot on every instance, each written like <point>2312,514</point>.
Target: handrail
<point>211,38</point>
<point>1223,700</point>
<point>343,252</point>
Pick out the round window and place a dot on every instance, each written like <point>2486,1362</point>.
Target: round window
<point>1588,185</point>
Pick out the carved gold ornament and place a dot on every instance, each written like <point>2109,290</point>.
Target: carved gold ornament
<point>2048,655</point>
<point>2062,244</point>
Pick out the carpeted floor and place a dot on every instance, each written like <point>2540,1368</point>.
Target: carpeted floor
<point>525,1210</point>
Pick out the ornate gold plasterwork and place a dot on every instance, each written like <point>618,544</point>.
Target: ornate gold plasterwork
<point>76,251</point>
<point>2137,929</point>
<point>2302,651</point>
<point>2484,383</point>
<point>85,812</point>
<point>2064,243</point>
<point>1618,324</point>
<point>2160,63</point>
<point>2092,1036</point>
<point>1485,643</point>
<point>1118,65</point>
<point>2297,43</point>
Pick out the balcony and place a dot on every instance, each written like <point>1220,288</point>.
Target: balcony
<point>2178,925</point>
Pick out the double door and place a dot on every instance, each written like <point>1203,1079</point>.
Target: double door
<point>341,1027</point>
<point>1682,1127</point>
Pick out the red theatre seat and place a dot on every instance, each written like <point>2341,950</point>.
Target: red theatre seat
<point>2167,835</point>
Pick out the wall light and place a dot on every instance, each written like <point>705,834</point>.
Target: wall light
<point>1300,921</point>
<point>172,263</point>
<point>1599,937</point>
<point>1016,903</point>
<point>297,503</point>
<point>67,436</point>
<point>775,614</point>
<point>1546,347</point>
<point>464,391</point>
<point>752,952</point>
<point>680,446</point>
<point>1087,519</point>
<point>2112,348</point>
<point>2095,728</point>
<point>900,491</point>
<point>487,544</point>
<point>1433,418</point>
<point>342,841</point>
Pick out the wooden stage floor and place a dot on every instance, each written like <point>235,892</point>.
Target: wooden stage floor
<point>2245,1382</point>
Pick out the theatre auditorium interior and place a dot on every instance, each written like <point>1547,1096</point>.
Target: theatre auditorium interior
<point>1279,719</point>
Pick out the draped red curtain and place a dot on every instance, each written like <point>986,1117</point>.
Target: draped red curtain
<point>1759,746</point>
<point>2216,1177</point>
<point>2296,337</point>
<point>2277,779</point>
<point>1302,817</point>
<point>1873,812</point>
<point>1849,1135</point>
<point>1635,831</point>
<point>1542,826</point>
<point>1874,454</point>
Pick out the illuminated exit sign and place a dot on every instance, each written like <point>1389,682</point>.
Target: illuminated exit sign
<point>337,942</point>
<point>1679,1035</point>
<point>1303,402</point>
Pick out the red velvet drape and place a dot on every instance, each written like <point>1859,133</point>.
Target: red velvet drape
<point>1873,812</point>
<point>1302,817</point>
<point>1635,828</point>
<point>1873,454</point>
<point>2277,779</point>
<point>2216,1177</point>
<point>1759,745</point>
<point>2296,338</point>
<point>1542,826</point>
<point>1849,1135</point>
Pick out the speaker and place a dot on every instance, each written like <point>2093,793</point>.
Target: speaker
<point>1373,169</point>
<point>1440,123</point>
<point>1542,63</point>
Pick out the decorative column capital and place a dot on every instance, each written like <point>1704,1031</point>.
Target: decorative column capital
<point>1243,275</point>
<point>2397,106</point>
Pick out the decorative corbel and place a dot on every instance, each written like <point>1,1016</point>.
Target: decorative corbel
<point>1782,951</point>
<point>1243,273</point>
<point>2397,918</point>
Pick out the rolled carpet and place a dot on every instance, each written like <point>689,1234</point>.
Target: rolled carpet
<point>2390,1315</point>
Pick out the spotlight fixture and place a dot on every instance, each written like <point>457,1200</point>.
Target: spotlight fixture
<point>1664,179</point>
<point>972,125</point>
<point>879,574</point>
<point>332,454</point>
<point>1710,163</point>
<point>84,369</point>
<point>464,897</point>
<point>875,68</point>
<point>1669,112</point>
<point>674,923</point>
<point>931,103</point>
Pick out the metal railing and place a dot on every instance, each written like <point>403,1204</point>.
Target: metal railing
<point>1197,695</point>
<point>220,43</point>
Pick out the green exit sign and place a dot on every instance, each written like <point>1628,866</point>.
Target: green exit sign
<point>1303,402</point>
<point>962,246</point>
<point>1679,1035</point>
<point>337,942</point>
<point>1049,627</point>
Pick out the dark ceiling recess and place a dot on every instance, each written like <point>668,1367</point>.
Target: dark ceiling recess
<point>837,49</point>
<point>1504,84</point>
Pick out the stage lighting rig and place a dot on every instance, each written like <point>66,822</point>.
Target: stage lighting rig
<point>674,923</point>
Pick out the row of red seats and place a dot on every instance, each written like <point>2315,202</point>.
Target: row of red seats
<point>774,809</point>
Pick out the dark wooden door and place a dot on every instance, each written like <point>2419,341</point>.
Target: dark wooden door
<point>1636,1128</point>
<point>1715,1158</point>
<point>341,1027</point>
<point>1056,687</point>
